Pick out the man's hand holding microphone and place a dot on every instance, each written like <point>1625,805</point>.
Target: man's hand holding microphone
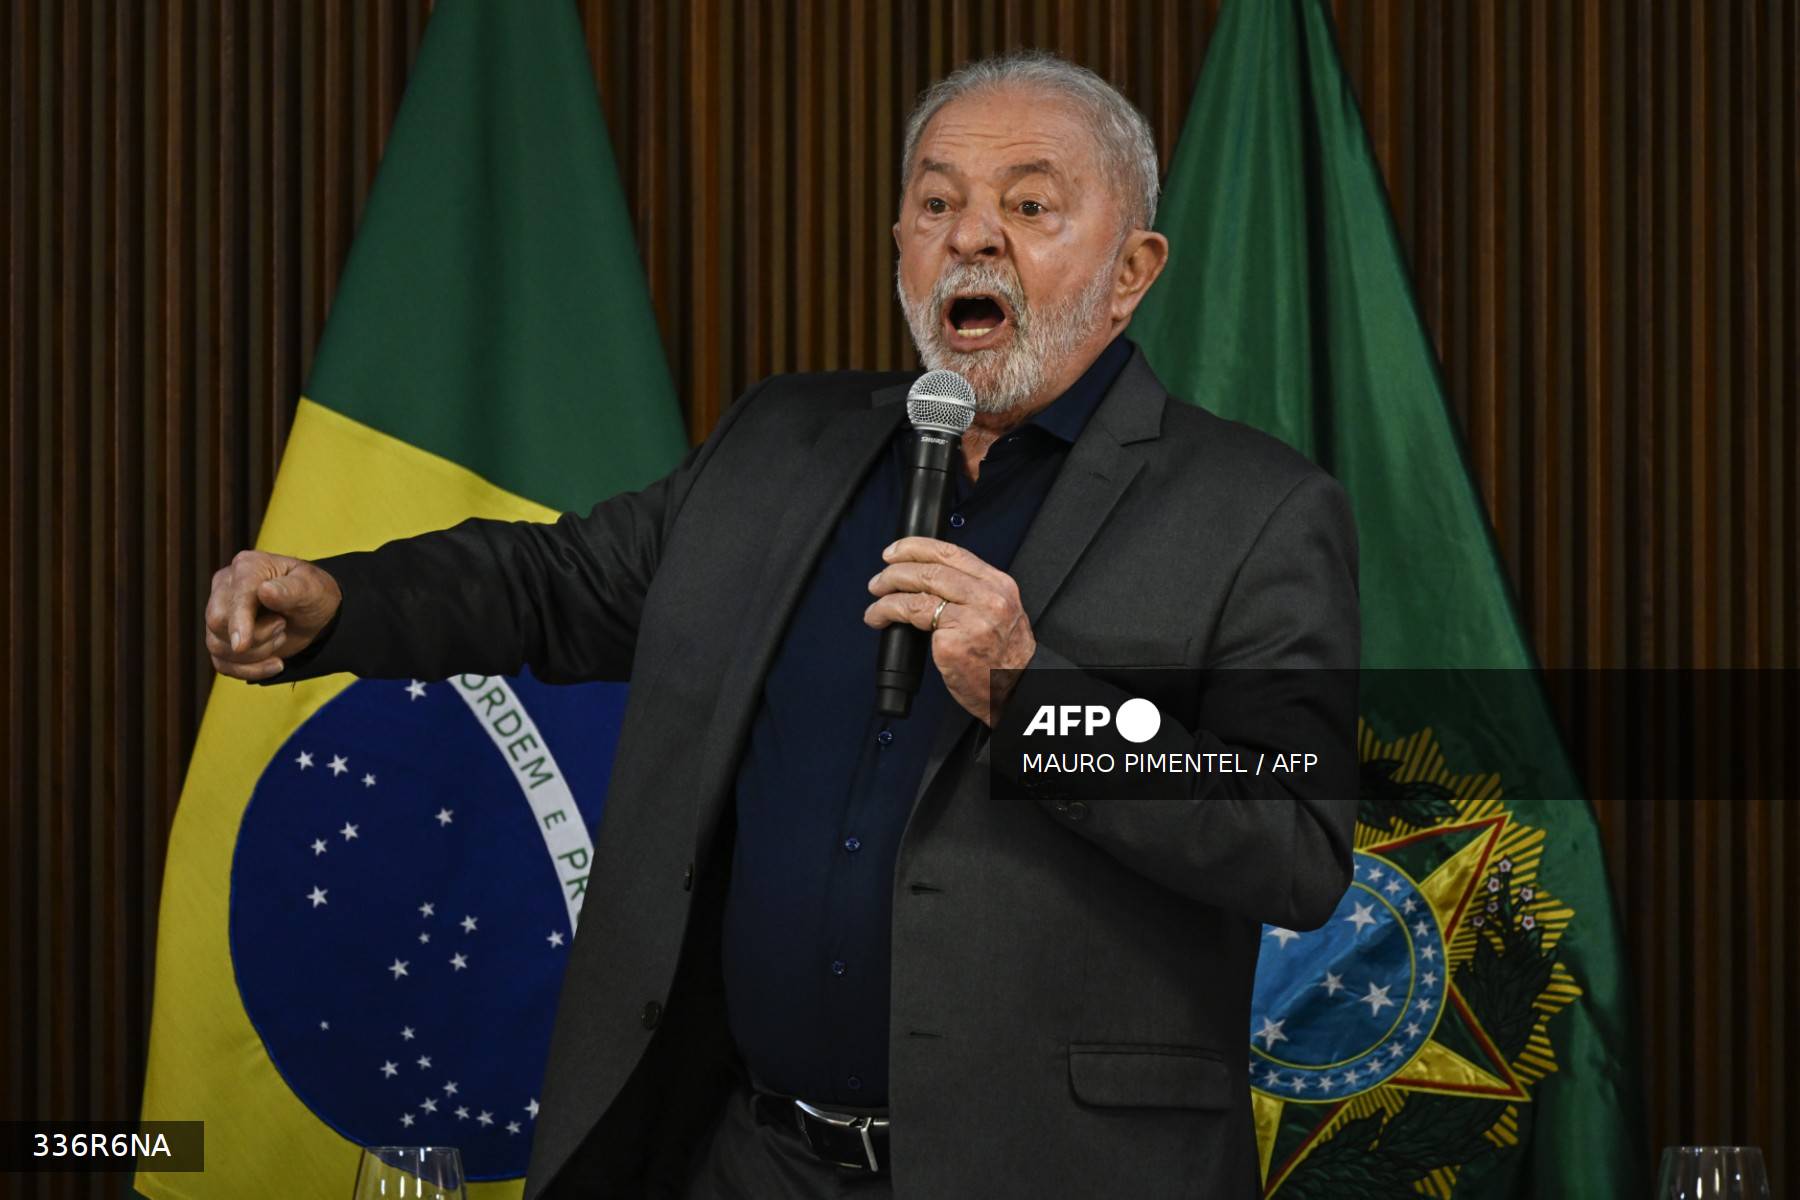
<point>265,608</point>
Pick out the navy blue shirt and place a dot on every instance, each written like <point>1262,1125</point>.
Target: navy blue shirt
<point>826,783</point>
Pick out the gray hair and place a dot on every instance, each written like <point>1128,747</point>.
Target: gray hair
<point>1126,145</point>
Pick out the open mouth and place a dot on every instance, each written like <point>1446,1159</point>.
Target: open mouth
<point>975,321</point>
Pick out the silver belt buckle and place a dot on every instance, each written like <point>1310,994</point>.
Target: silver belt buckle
<point>862,1125</point>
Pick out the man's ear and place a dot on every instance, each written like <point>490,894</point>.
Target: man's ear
<point>1141,260</point>
<point>896,235</point>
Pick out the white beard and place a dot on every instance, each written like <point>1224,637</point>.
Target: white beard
<point>1008,376</point>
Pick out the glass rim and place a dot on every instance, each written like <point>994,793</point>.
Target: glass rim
<point>1711,1149</point>
<point>411,1149</point>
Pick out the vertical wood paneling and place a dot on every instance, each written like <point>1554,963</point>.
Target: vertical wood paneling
<point>1597,201</point>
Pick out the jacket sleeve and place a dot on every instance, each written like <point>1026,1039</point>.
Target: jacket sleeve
<point>489,597</point>
<point>1280,677</point>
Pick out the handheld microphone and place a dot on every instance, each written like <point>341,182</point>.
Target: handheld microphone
<point>941,407</point>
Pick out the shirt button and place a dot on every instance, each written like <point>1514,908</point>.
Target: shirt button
<point>838,967</point>
<point>852,844</point>
<point>885,737</point>
<point>652,1014</point>
<point>854,1082</point>
<point>956,521</point>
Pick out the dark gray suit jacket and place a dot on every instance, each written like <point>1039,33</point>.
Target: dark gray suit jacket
<point>1072,971</point>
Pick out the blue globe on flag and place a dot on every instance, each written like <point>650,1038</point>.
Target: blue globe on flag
<point>1343,1008</point>
<point>404,891</point>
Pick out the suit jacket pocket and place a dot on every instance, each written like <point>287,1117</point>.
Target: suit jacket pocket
<point>1098,651</point>
<point>1142,1076</point>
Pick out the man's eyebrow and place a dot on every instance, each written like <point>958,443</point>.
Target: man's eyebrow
<point>1037,166</point>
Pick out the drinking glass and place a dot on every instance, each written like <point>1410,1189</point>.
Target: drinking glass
<point>1712,1173</point>
<point>409,1173</point>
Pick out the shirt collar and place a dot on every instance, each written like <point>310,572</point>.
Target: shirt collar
<point>1067,415</point>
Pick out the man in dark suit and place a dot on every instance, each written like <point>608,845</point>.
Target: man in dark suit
<point>825,951</point>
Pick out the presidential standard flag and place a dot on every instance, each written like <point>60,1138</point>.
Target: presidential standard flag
<point>372,886</point>
<point>1458,1027</point>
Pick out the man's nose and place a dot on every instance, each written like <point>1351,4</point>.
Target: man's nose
<point>976,234</point>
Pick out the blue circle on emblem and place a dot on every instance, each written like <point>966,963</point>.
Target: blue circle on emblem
<point>400,916</point>
<point>1342,1008</point>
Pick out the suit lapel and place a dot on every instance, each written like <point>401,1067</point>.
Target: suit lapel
<point>835,466</point>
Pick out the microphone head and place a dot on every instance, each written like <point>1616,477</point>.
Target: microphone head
<point>942,401</point>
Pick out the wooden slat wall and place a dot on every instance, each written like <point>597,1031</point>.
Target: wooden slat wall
<point>1597,198</point>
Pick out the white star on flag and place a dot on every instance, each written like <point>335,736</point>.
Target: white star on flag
<point>458,961</point>
<point>444,816</point>
<point>427,909</point>
<point>462,1114</point>
<point>319,847</point>
<point>468,924</point>
<point>429,1105</point>
<point>399,968</point>
<point>1393,885</point>
<point>324,1024</point>
<point>317,895</point>
<point>1424,1004</point>
<point>1271,1033</point>
<point>407,1033</point>
<point>406,1120</point>
<point>1334,983</point>
<point>512,1127</point>
<point>1374,873</point>
<point>1408,905</point>
<point>424,938</point>
<point>368,781</point>
<point>1283,936</point>
<point>532,1108</point>
<point>1377,999</point>
<point>1422,928</point>
<point>450,1088</point>
<point>390,1069</point>
<point>424,1062</point>
<point>486,1118</point>
<point>1429,978</point>
<point>349,831</point>
<point>1429,953</point>
<point>305,760</point>
<point>556,937</point>
<point>339,764</point>
<point>415,689</point>
<point>1362,917</point>
<point>1413,1029</point>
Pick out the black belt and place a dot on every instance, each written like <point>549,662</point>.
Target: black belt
<point>853,1140</point>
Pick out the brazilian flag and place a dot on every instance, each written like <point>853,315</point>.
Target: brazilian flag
<point>1458,1028</point>
<point>372,886</point>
